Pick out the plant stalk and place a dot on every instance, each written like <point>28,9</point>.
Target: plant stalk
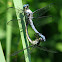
<point>21,23</point>
<point>8,31</point>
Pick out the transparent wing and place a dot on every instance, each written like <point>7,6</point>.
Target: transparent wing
<point>42,11</point>
<point>14,18</point>
<point>20,51</point>
<point>45,49</point>
<point>13,22</point>
<point>39,22</point>
<point>18,9</point>
<point>41,17</point>
<point>34,46</point>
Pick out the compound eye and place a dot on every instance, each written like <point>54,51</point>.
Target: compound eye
<point>27,6</point>
<point>23,7</point>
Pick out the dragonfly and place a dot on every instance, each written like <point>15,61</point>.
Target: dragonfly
<point>31,18</point>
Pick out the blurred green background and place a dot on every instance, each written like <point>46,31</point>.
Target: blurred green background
<point>51,30</point>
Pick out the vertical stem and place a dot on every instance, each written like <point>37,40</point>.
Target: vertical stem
<point>2,58</point>
<point>21,23</point>
<point>9,32</point>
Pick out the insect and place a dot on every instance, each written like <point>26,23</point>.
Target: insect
<point>29,16</point>
<point>32,16</point>
<point>35,44</point>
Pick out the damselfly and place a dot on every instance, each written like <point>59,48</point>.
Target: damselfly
<point>36,18</point>
<point>32,16</point>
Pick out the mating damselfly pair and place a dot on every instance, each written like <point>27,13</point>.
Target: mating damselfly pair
<point>33,18</point>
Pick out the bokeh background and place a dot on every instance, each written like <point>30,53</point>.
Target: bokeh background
<point>52,31</point>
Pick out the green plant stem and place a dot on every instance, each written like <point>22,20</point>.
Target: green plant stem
<point>21,23</point>
<point>2,58</point>
<point>8,32</point>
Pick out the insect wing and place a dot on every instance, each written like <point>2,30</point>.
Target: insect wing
<point>14,20</point>
<point>39,22</point>
<point>42,11</point>
<point>20,51</point>
<point>45,49</point>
